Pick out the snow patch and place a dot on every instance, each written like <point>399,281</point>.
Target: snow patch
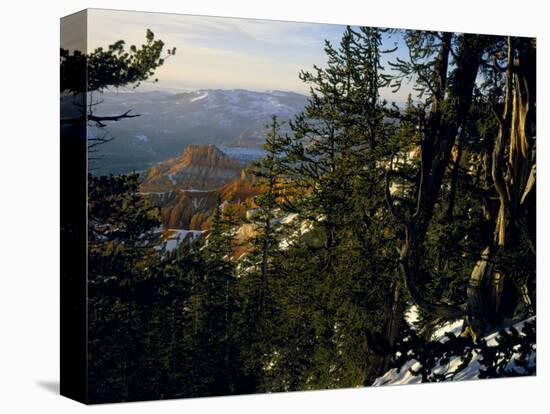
<point>198,202</point>
<point>177,236</point>
<point>305,227</point>
<point>472,371</point>
<point>200,97</point>
<point>172,179</point>
<point>455,328</point>
<point>194,190</point>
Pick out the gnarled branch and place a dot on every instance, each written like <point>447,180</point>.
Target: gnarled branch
<point>99,120</point>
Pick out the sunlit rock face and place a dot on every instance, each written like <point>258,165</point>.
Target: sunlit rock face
<point>200,167</point>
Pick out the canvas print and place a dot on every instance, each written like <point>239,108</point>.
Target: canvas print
<point>253,206</point>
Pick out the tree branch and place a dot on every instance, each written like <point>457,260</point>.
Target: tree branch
<point>389,201</point>
<point>99,120</point>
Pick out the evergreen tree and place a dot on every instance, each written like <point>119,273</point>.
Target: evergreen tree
<point>122,238</point>
<point>216,337</point>
<point>262,261</point>
<point>335,186</point>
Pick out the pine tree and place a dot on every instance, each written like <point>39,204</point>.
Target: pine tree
<point>122,241</point>
<point>261,263</point>
<point>335,186</point>
<point>269,173</point>
<point>216,337</point>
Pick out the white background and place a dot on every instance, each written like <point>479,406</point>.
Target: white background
<point>29,206</point>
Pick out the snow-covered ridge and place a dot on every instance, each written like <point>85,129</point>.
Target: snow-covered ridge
<point>170,121</point>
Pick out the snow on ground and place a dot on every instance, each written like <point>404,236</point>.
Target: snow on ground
<point>305,226</point>
<point>412,316</point>
<point>198,202</point>
<point>176,236</point>
<point>200,97</point>
<point>172,179</point>
<point>404,376</point>
<point>157,193</point>
<point>193,190</point>
<point>454,327</point>
<point>289,218</point>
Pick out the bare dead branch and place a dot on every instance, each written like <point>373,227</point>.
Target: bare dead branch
<point>99,120</point>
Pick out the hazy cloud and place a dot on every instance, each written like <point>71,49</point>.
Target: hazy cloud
<point>220,52</point>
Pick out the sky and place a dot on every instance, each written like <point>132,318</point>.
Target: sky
<point>225,53</point>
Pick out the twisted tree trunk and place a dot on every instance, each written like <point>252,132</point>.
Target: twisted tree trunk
<point>450,106</point>
<point>514,180</point>
<point>512,173</point>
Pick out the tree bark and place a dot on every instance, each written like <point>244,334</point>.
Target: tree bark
<point>514,179</point>
<point>443,127</point>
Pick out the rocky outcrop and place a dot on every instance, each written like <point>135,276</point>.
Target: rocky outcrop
<point>193,209</point>
<point>200,167</point>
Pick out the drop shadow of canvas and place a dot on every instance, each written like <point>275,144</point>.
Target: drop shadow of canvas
<point>51,386</point>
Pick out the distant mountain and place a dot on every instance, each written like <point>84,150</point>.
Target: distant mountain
<point>200,167</point>
<point>169,122</point>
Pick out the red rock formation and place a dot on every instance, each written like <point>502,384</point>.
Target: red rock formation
<point>200,167</point>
